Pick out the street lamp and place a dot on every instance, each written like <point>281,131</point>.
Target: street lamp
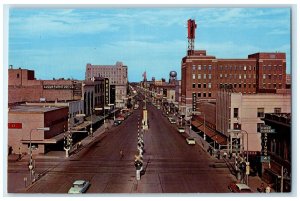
<point>31,171</point>
<point>247,154</point>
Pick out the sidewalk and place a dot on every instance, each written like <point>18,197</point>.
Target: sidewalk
<point>254,181</point>
<point>89,139</point>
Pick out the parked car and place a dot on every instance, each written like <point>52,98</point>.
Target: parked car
<point>190,140</point>
<point>117,122</point>
<point>239,188</point>
<point>181,129</point>
<point>172,120</point>
<point>79,186</point>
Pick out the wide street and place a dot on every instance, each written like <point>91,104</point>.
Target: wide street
<point>171,165</point>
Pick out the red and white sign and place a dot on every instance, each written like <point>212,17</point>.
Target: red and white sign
<point>14,125</point>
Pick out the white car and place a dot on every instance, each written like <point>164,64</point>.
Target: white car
<point>172,120</point>
<point>181,129</point>
<point>190,140</point>
<point>79,186</point>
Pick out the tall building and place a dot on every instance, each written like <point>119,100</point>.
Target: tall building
<point>118,79</point>
<point>203,75</point>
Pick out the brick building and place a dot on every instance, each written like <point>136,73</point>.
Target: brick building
<point>23,87</point>
<point>23,119</point>
<point>118,79</point>
<point>203,75</point>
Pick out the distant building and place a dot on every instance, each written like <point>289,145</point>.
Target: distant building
<point>24,119</point>
<point>117,75</point>
<point>95,94</point>
<point>203,75</point>
<point>23,87</point>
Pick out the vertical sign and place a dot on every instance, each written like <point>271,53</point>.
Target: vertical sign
<point>194,99</point>
<point>106,91</point>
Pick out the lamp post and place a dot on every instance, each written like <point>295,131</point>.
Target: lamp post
<point>247,154</point>
<point>31,167</point>
<point>110,104</point>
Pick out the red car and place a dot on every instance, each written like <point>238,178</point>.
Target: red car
<point>239,188</point>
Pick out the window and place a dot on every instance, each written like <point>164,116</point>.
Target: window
<point>193,76</point>
<point>274,85</point>
<point>209,67</point>
<point>280,77</point>
<point>199,85</point>
<point>277,110</point>
<point>240,76</point>
<point>194,67</point>
<point>249,67</point>
<point>245,85</point>
<point>199,94</point>
<point>264,76</point>
<point>245,67</point>
<point>269,76</point>
<point>199,76</point>
<point>279,86</point>
<point>18,75</point>
<point>199,67</point>
<point>204,67</point>
<point>235,112</point>
<point>240,85</point>
<point>225,75</point>
<point>194,85</point>
<point>260,112</point>
<point>209,76</point>
<point>258,126</point>
<point>209,85</point>
<point>220,67</point>
<point>204,94</point>
<point>234,85</point>
<point>254,85</point>
<point>204,85</point>
<point>221,75</point>
<point>274,76</point>
<point>204,76</point>
<point>209,94</point>
<point>249,85</point>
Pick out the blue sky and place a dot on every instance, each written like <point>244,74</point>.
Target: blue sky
<point>59,42</point>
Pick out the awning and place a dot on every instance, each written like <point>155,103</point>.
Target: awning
<point>196,123</point>
<point>94,118</point>
<point>214,135</point>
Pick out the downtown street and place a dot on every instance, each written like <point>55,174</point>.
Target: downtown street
<point>171,165</point>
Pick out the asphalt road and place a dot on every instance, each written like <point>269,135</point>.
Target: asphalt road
<point>171,165</point>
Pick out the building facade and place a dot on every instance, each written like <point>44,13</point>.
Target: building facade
<point>240,111</point>
<point>23,87</point>
<point>117,75</point>
<point>203,75</point>
<point>23,120</point>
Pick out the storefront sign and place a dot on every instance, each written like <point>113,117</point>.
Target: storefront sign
<point>14,125</point>
<point>62,87</point>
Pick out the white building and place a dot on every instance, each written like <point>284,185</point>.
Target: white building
<point>117,75</point>
<point>244,111</point>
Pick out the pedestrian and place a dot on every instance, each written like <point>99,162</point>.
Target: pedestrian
<point>261,188</point>
<point>268,189</point>
<point>121,154</point>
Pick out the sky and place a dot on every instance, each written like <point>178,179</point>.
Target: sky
<point>59,43</point>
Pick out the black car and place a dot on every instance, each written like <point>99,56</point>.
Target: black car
<point>117,122</point>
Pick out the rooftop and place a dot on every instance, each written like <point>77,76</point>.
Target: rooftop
<point>31,109</point>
